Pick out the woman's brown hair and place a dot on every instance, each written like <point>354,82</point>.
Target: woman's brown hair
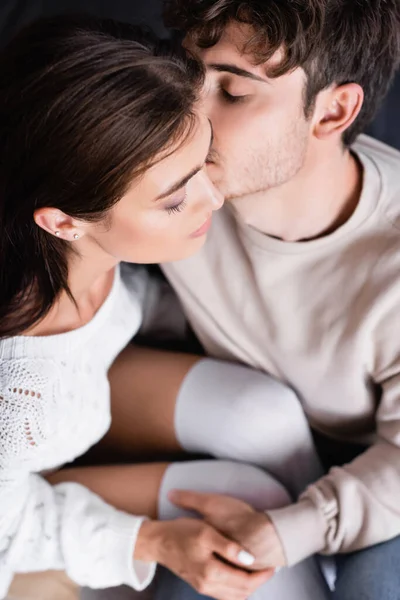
<point>86,106</point>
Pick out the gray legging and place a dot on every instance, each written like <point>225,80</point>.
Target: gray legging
<point>232,412</point>
<point>238,414</point>
<point>251,484</point>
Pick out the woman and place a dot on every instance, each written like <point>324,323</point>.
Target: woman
<point>101,163</point>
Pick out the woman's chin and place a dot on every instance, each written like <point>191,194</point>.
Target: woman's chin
<point>194,246</point>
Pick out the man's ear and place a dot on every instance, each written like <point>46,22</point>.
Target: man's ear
<point>337,108</point>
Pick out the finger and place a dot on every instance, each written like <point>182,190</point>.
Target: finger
<point>233,588</point>
<point>256,580</point>
<point>230,550</point>
<point>248,582</point>
<point>223,593</point>
<point>190,500</point>
<point>214,585</point>
<point>222,574</point>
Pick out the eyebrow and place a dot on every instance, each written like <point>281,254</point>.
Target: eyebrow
<point>227,68</point>
<point>182,182</point>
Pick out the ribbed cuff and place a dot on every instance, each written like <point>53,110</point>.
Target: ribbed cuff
<point>301,529</point>
<point>121,541</point>
<point>6,577</point>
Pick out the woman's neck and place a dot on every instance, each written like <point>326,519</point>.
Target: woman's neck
<point>90,278</point>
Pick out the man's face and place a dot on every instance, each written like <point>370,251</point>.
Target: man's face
<point>260,130</point>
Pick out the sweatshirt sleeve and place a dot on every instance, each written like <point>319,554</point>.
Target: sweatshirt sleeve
<point>356,506</point>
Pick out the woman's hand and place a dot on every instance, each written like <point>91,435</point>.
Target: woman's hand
<point>197,553</point>
<point>239,521</point>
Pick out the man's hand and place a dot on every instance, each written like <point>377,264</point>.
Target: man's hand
<point>240,522</point>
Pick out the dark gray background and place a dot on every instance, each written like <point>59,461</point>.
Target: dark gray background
<point>15,13</point>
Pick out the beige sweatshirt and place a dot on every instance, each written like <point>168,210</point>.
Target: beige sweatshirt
<point>323,316</point>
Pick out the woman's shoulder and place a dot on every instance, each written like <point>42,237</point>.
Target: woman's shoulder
<point>27,376</point>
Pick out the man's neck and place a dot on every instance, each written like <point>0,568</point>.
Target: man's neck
<point>314,203</point>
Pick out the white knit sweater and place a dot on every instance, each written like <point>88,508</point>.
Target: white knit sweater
<point>54,405</point>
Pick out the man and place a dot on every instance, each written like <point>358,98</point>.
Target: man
<point>300,276</point>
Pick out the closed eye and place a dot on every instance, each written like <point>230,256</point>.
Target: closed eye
<point>179,207</point>
<point>176,209</point>
<point>230,98</point>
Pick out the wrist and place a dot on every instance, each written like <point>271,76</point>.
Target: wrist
<point>148,542</point>
<point>301,528</point>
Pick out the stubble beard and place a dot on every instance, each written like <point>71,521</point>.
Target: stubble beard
<point>261,171</point>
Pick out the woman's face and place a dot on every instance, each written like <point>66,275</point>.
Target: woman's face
<point>166,215</point>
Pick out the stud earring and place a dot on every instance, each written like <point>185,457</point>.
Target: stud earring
<point>57,233</point>
<point>76,236</point>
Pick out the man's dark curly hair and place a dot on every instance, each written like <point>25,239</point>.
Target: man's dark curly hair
<point>334,41</point>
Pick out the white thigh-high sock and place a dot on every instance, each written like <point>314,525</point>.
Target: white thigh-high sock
<point>234,412</point>
<point>301,582</point>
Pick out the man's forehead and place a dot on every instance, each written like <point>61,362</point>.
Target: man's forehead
<point>233,48</point>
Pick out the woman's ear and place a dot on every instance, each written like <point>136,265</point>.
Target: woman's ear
<point>337,109</point>
<point>57,223</point>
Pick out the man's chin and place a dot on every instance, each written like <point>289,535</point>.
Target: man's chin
<point>221,184</point>
<point>224,186</point>
<point>227,193</point>
<point>243,194</point>
<point>229,197</point>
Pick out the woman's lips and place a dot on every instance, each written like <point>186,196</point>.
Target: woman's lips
<point>203,229</point>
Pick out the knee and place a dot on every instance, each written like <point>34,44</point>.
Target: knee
<point>232,411</point>
<point>262,409</point>
<point>241,481</point>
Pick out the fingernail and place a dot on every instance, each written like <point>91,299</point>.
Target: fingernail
<point>246,558</point>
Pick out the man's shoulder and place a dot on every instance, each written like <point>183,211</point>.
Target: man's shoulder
<point>377,150</point>
<point>386,161</point>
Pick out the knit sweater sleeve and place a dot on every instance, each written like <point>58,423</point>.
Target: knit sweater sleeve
<point>64,527</point>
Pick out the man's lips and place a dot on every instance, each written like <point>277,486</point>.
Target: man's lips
<point>203,229</point>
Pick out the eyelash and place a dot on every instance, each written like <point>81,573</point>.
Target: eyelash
<point>178,207</point>
<point>231,99</point>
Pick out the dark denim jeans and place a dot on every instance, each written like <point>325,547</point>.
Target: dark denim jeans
<point>372,574</point>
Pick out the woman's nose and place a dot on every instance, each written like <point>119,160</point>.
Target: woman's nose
<point>213,195</point>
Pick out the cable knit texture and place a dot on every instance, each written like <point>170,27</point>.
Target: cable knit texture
<point>54,405</point>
